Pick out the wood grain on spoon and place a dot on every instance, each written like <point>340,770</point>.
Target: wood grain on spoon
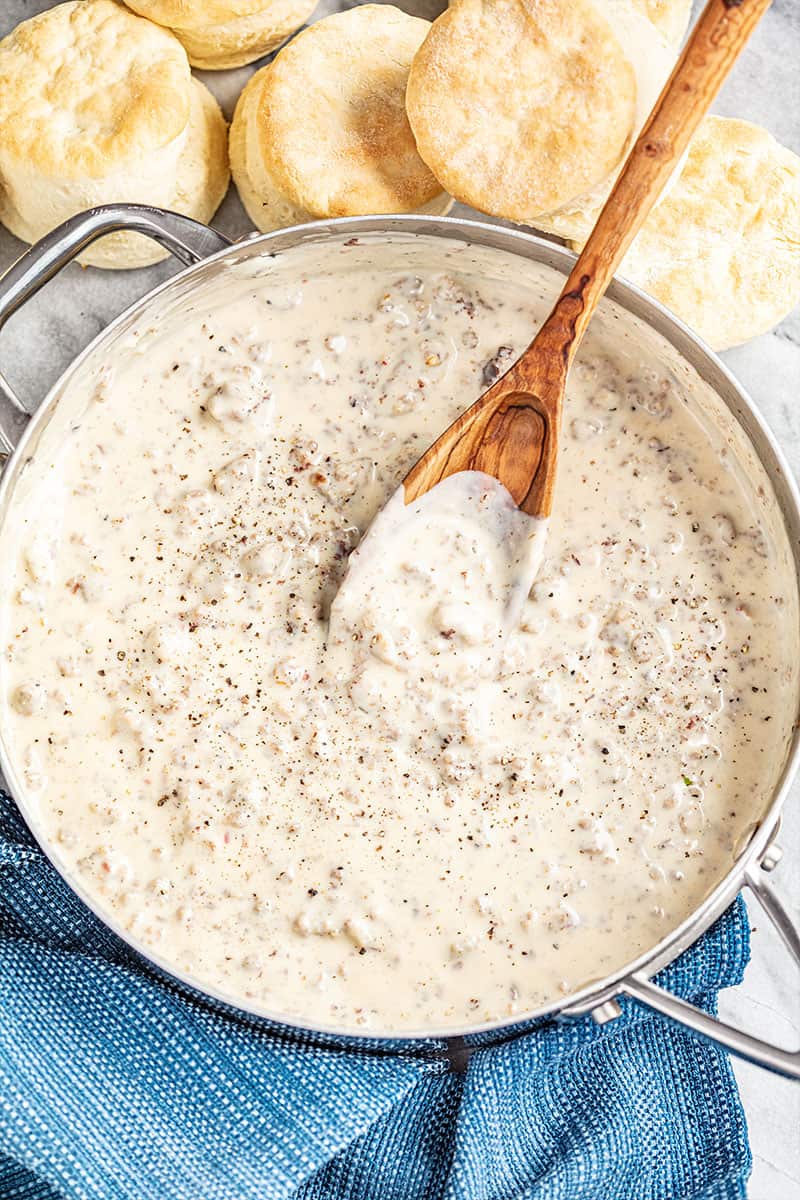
<point>512,431</point>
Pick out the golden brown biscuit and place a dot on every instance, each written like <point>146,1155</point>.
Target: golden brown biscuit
<point>96,106</point>
<point>322,130</point>
<point>201,183</point>
<point>653,59</point>
<point>722,250</point>
<point>218,34</point>
<point>518,106</point>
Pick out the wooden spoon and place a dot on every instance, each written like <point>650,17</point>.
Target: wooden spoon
<point>512,431</point>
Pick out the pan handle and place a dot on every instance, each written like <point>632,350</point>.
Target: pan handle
<point>188,240</point>
<point>756,1050</point>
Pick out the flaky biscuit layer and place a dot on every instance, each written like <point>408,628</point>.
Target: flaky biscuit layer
<point>722,250</point>
<point>99,106</point>
<point>222,35</point>
<point>322,130</point>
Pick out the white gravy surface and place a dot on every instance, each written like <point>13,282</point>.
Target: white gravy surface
<point>424,818</point>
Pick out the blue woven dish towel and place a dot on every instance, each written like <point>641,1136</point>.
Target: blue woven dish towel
<point>115,1085</point>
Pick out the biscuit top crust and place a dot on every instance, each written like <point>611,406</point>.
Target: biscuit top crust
<point>88,87</point>
<point>518,106</point>
<point>198,14</point>
<point>723,247</point>
<point>331,120</point>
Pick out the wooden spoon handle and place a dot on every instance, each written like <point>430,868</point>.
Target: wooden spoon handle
<point>716,42</point>
<point>512,430</point>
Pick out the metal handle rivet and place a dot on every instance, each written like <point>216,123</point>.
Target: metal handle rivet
<point>771,857</point>
<point>607,1011</point>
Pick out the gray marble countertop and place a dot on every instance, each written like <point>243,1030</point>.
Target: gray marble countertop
<point>764,88</point>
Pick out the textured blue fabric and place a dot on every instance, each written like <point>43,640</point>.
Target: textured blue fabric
<point>117,1085</point>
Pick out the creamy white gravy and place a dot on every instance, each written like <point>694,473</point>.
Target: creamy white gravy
<point>422,819</point>
<point>444,578</point>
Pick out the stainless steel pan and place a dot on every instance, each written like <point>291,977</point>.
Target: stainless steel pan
<point>205,254</point>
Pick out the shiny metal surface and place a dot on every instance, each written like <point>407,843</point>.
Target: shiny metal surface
<point>191,242</point>
<point>640,987</point>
